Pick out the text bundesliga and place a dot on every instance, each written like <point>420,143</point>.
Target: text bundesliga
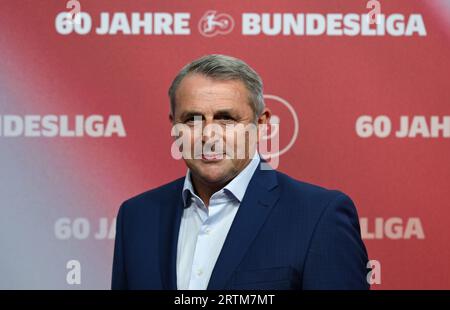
<point>270,24</point>
<point>95,126</point>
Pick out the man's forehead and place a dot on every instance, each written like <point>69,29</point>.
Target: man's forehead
<point>198,93</point>
<point>213,100</point>
<point>203,95</point>
<point>211,90</point>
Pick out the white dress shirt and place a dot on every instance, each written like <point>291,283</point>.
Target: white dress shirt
<point>203,229</point>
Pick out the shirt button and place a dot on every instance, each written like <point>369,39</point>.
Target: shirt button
<point>207,230</point>
<point>199,272</point>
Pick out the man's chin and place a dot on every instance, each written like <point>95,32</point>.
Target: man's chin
<point>212,178</point>
<point>212,175</point>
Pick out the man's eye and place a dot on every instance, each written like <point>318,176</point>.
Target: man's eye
<point>192,119</point>
<point>225,118</point>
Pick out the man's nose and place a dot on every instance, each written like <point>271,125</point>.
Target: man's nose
<point>211,131</point>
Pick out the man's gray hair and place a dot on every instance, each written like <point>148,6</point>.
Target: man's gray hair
<point>222,67</point>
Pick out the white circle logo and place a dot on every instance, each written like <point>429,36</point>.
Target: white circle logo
<point>282,109</point>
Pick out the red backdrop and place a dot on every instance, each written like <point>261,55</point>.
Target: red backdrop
<point>58,191</point>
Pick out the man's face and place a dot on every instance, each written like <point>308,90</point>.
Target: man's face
<point>203,103</point>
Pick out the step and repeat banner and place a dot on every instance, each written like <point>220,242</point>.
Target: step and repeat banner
<point>360,91</point>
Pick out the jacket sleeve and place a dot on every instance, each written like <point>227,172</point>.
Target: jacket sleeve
<point>119,278</point>
<point>336,258</point>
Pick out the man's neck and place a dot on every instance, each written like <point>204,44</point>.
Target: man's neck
<point>205,191</point>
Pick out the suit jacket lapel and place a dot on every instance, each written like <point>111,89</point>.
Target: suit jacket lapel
<point>261,195</point>
<point>170,219</point>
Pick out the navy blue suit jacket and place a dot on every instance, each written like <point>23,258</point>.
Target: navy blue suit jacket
<point>286,235</point>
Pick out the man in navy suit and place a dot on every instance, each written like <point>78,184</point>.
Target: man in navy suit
<point>232,222</point>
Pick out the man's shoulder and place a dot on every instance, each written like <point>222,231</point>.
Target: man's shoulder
<point>307,193</point>
<point>310,203</point>
<point>302,187</point>
<point>161,195</point>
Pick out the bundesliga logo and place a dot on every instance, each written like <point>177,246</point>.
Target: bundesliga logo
<point>212,24</point>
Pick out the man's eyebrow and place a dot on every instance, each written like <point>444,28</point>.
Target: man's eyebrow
<point>218,113</point>
<point>224,112</point>
<point>190,114</point>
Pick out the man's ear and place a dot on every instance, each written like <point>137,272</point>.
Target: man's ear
<point>264,117</point>
<point>263,120</point>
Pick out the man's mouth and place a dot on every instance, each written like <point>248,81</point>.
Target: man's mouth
<point>212,156</point>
